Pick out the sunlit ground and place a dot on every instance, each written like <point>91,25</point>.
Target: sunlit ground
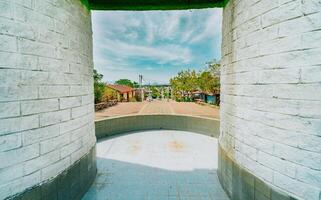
<point>164,165</point>
<point>159,107</point>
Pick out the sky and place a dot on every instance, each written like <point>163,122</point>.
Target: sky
<point>156,44</point>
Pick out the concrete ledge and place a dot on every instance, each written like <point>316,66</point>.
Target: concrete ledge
<point>118,125</point>
<point>240,184</point>
<point>71,184</point>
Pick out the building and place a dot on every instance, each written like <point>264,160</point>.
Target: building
<point>211,98</point>
<point>124,93</point>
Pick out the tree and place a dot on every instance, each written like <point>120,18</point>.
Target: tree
<point>127,82</point>
<point>214,68</point>
<point>207,82</point>
<point>109,94</point>
<point>99,86</point>
<point>184,84</point>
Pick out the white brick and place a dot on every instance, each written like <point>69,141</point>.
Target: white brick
<point>281,45</point>
<point>304,91</point>
<point>311,74</point>
<point>300,25</point>
<point>39,20</point>
<point>54,169</point>
<point>9,77</point>
<point>310,109</point>
<point>13,93</point>
<point>70,148</point>
<point>52,65</point>
<point>18,124</point>
<point>14,60</point>
<point>36,48</point>
<point>302,157</point>
<point>270,86</point>
<point>75,156</point>
<point>50,118</point>
<point>34,78</point>
<point>16,156</point>
<point>8,43</point>
<point>39,106</point>
<point>6,9</point>
<point>12,141</point>
<point>309,40</point>
<point>12,28</point>
<point>87,99</point>
<point>309,142</point>
<point>10,173</point>
<point>79,90</point>
<point>285,12</point>
<point>300,189</point>
<point>277,164</point>
<point>311,6</point>
<point>40,134</point>
<point>309,176</point>
<point>69,102</point>
<point>78,133</point>
<point>9,109</point>
<point>54,143</point>
<point>53,91</point>
<point>19,185</point>
<point>26,3</point>
<point>73,124</point>
<point>79,111</point>
<point>41,162</point>
<point>279,76</point>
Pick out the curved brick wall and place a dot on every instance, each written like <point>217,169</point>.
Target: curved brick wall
<point>46,92</point>
<point>118,125</point>
<point>271,99</point>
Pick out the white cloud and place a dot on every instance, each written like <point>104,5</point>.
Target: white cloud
<point>127,41</point>
<point>161,54</point>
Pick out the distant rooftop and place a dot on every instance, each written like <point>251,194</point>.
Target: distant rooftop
<point>121,88</point>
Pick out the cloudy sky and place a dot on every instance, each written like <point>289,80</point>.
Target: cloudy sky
<point>156,44</point>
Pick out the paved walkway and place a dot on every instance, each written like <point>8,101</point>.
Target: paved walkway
<point>157,165</point>
<point>159,107</point>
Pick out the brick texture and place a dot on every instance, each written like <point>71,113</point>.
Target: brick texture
<point>46,91</point>
<point>271,92</point>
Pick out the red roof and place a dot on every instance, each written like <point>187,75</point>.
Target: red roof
<point>121,88</point>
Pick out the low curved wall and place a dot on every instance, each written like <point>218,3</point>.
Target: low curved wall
<point>117,125</point>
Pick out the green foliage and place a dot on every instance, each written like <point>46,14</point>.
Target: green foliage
<point>109,94</point>
<point>99,86</point>
<point>127,82</point>
<point>155,92</point>
<point>185,82</point>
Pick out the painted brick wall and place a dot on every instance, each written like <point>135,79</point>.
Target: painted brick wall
<point>271,92</point>
<point>46,92</point>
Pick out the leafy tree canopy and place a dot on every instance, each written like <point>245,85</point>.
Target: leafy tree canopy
<point>99,86</point>
<point>187,81</point>
<point>127,82</point>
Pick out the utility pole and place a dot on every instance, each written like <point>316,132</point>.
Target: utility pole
<point>141,87</point>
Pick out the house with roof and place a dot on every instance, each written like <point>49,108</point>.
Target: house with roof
<point>124,93</point>
<point>207,97</point>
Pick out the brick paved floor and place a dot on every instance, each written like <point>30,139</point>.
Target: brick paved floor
<point>157,165</point>
<point>159,107</point>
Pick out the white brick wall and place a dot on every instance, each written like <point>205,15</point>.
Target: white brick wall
<point>271,91</point>
<point>46,90</point>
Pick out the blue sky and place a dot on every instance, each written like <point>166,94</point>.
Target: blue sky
<point>156,44</point>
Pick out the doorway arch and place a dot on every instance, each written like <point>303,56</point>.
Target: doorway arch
<point>270,95</point>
